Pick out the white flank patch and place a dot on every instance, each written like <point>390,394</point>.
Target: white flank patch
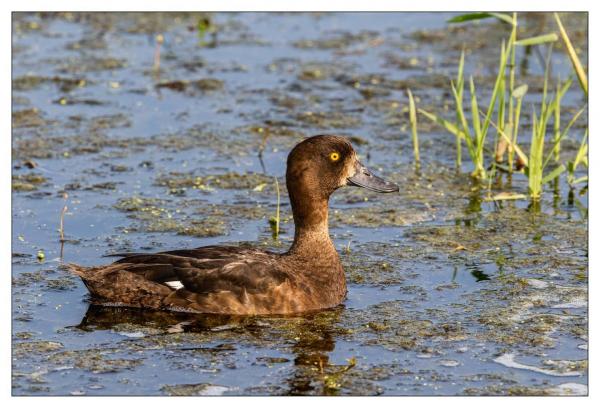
<point>508,360</point>
<point>174,284</point>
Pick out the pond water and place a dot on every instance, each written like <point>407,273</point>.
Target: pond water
<point>448,293</point>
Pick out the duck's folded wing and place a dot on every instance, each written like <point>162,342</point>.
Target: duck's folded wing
<point>209,269</point>
<point>237,276</point>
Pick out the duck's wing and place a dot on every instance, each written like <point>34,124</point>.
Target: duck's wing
<point>210,269</point>
<point>214,279</point>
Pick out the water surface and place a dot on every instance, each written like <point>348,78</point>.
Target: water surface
<point>448,294</point>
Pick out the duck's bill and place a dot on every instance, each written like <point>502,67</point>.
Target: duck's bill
<point>364,178</point>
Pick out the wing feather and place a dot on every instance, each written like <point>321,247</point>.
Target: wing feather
<point>210,269</point>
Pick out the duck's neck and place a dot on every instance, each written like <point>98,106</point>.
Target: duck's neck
<point>312,251</point>
<point>311,235</point>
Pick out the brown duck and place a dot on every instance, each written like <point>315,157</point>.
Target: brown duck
<point>234,280</point>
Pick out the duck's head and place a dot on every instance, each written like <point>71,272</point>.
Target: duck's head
<point>319,165</point>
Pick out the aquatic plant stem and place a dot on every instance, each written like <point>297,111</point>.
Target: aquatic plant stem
<point>413,127</point>
<point>277,214</point>
<point>511,87</point>
<point>159,41</point>
<point>557,123</point>
<point>460,85</point>
<point>61,228</point>
<point>581,75</point>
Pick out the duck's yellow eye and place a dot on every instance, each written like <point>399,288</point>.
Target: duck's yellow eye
<point>334,156</point>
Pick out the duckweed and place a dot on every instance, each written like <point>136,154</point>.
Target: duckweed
<point>28,118</point>
<point>64,84</point>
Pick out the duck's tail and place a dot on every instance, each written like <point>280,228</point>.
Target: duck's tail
<point>115,285</point>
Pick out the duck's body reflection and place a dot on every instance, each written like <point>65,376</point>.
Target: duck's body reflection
<point>312,336</point>
<point>99,317</point>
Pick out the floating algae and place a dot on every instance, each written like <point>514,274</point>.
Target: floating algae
<point>27,182</point>
<point>227,180</point>
<point>192,86</point>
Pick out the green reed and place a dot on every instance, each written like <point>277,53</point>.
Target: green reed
<point>580,158</point>
<point>460,86</point>
<point>577,66</point>
<point>537,162</point>
<point>506,102</point>
<point>474,134</point>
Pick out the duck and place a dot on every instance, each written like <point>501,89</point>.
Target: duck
<point>235,280</point>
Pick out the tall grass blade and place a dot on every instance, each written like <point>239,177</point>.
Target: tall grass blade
<point>536,155</point>
<point>479,137</point>
<point>563,134</point>
<point>554,174</point>
<point>505,18</point>
<point>474,110</point>
<point>581,75</point>
<point>499,79</point>
<point>540,39</point>
<point>558,97</point>
<point>469,17</point>
<point>480,16</point>
<point>502,104</point>
<point>449,126</point>
<point>463,121</point>
<point>582,152</point>
<point>580,158</point>
<point>546,78</point>
<point>500,148</point>
<point>460,80</point>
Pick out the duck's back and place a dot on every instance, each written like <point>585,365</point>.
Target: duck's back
<point>214,279</point>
